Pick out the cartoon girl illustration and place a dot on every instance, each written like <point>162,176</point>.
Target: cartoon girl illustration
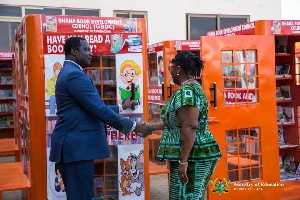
<point>130,72</point>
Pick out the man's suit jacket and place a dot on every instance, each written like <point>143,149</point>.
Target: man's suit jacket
<point>80,132</point>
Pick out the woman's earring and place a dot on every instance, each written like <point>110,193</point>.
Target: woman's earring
<point>177,74</point>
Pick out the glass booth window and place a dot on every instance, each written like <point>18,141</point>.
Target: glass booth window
<point>240,77</point>
<point>103,73</point>
<point>244,160</point>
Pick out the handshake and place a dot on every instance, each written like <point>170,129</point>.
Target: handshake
<point>143,129</point>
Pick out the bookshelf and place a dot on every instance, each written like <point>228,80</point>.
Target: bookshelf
<point>287,90</point>
<point>7,100</point>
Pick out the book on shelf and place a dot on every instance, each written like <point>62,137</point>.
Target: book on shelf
<point>281,43</point>
<point>5,94</point>
<point>281,140</point>
<point>285,115</point>
<point>280,117</point>
<point>282,70</point>
<point>286,145</point>
<point>278,71</point>
<point>285,70</point>
<point>6,107</point>
<point>285,92</point>
<point>6,80</point>
<point>297,173</point>
<point>94,75</point>
<point>288,169</point>
<point>288,113</point>
<point>98,182</point>
<point>98,196</point>
<point>278,94</point>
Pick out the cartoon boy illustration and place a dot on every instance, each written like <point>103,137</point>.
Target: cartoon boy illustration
<point>160,67</point>
<point>50,90</point>
<point>59,184</point>
<point>130,72</point>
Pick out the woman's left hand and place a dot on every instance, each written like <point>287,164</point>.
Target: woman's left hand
<point>182,173</point>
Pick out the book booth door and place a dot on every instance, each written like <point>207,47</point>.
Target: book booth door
<point>238,79</point>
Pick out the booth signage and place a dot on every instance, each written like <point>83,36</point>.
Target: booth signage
<point>241,96</point>
<point>99,43</point>
<point>241,29</point>
<point>155,47</point>
<point>155,94</point>
<point>5,55</point>
<point>285,27</point>
<point>190,45</point>
<point>84,24</point>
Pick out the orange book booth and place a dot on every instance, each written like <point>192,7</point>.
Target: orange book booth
<point>39,57</point>
<point>239,80</point>
<point>278,43</point>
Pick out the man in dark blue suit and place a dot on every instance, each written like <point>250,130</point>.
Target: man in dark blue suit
<point>79,136</point>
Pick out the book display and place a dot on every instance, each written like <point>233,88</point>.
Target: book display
<point>286,70</point>
<point>7,96</point>
<point>286,97</point>
<point>118,55</point>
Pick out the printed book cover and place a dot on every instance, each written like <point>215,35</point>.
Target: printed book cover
<point>280,117</point>
<point>288,114</point>
<point>285,70</point>
<point>278,94</point>
<point>285,92</point>
<point>280,136</point>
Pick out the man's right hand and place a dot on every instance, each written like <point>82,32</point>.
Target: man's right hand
<point>143,129</point>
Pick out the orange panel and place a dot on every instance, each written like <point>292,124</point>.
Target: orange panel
<point>243,113</point>
<point>36,91</point>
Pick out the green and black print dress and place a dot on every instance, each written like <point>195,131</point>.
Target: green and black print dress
<point>205,152</point>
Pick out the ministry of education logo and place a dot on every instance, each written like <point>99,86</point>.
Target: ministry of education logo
<point>220,186</point>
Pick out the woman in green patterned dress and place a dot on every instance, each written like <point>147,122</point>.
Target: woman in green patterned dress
<point>186,142</point>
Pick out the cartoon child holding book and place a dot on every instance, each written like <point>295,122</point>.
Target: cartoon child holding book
<point>130,72</point>
<point>50,90</point>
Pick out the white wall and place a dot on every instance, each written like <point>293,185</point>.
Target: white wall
<point>290,9</point>
<point>167,18</point>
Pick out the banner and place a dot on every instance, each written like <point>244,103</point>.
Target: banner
<point>240,96</point>
<point>285,27</point>
<point>87,24</point>
<point>152,48</point>
<point>241,29</point>
<point>6,55</point>
<point>99,43</point>
<point>155,94</point>
<point>187,45</point>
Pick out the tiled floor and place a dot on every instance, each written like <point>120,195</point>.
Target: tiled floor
<point>158,186</point>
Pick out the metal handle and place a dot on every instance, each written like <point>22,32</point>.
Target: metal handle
<point>133,95</point>
<point>163,91</point>
<point>214,88</point>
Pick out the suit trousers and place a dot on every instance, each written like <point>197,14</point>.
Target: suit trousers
<point>78,179</point>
